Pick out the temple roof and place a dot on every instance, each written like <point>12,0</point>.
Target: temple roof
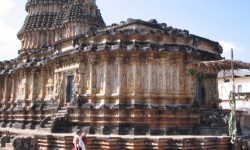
<point>35,2</point>
<point>38,21</point>
<point>75,12</point>
<point>72,11</point>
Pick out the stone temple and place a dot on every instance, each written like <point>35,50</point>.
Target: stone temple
<point>130,84</point>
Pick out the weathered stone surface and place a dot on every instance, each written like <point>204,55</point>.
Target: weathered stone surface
<point>131,78</point>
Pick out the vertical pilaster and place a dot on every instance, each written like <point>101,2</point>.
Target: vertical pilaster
<point>42,81</point>
<point>105,86</point>
<point>26,86</point>
<point>13,89</point>
<point>31,85</point>
<point>92,75</point>
<point>6,89</point>
<point>135,64</point>
<point>120,72</point>
<point>150,59</point>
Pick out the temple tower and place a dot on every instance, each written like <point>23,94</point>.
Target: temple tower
<point>49,21</point>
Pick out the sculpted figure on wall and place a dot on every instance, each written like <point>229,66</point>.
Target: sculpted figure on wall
<point>101,82</point>
<point>76,83</point>
<point>59,85</point>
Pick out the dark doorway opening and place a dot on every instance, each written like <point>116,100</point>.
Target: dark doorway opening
<point>70,88</point>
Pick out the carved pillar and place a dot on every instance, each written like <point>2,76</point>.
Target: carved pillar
<point>83,71</point>
<point>7,91</point>
<point>191,82</point>
<point>135,64</point>
<point>27,86</point>
<point>150,60</point>
<point>121,76</point>
<point>13,89</point>
<point>31,85</point>
<point>92,74</point>
<point>50,83</point>
<point>104,81</point>
<point>162,76</point>
<point>41,88</point>
<point>181,71</point>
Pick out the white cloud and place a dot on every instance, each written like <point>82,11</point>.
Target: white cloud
<point>228,45</point>
<point>6,7</point>
<point>9,44</point>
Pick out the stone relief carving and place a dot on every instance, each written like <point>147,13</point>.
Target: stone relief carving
<point>59,81</point>
<point>76,83</point>
<point>101,81</point>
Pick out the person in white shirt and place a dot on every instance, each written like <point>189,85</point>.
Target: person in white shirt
<point>77,141</point>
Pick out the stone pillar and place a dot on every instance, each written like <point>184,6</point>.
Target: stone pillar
<point>6,95</point>
<point>162,75</point>
<point>120,73</point>
<point>31,85</point>
<point>182,76</point>
<point>150,59</point>
<point>42,81</point>
<point>27,87</point>
<point>180,97</point>
<point>92,74</point>
<point>13,89</point>
<point>135,64</point>
<point>49,83</point>
<point>83,71</point>
<point>105,89</point>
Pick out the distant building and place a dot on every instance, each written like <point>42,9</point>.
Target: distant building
<point>242,88</point>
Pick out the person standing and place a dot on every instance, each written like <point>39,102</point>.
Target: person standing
<point>77,141</point>
<point>84,138</point>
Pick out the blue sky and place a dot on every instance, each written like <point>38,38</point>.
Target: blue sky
<point>225,21</point>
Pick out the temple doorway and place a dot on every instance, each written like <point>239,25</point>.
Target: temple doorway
<point>70,88</point>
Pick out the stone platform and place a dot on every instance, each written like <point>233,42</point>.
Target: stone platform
<point>50,141</point>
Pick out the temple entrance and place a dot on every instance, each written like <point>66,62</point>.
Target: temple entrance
<point>70,89</point>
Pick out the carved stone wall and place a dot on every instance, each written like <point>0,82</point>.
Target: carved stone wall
<point>129,78</point>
